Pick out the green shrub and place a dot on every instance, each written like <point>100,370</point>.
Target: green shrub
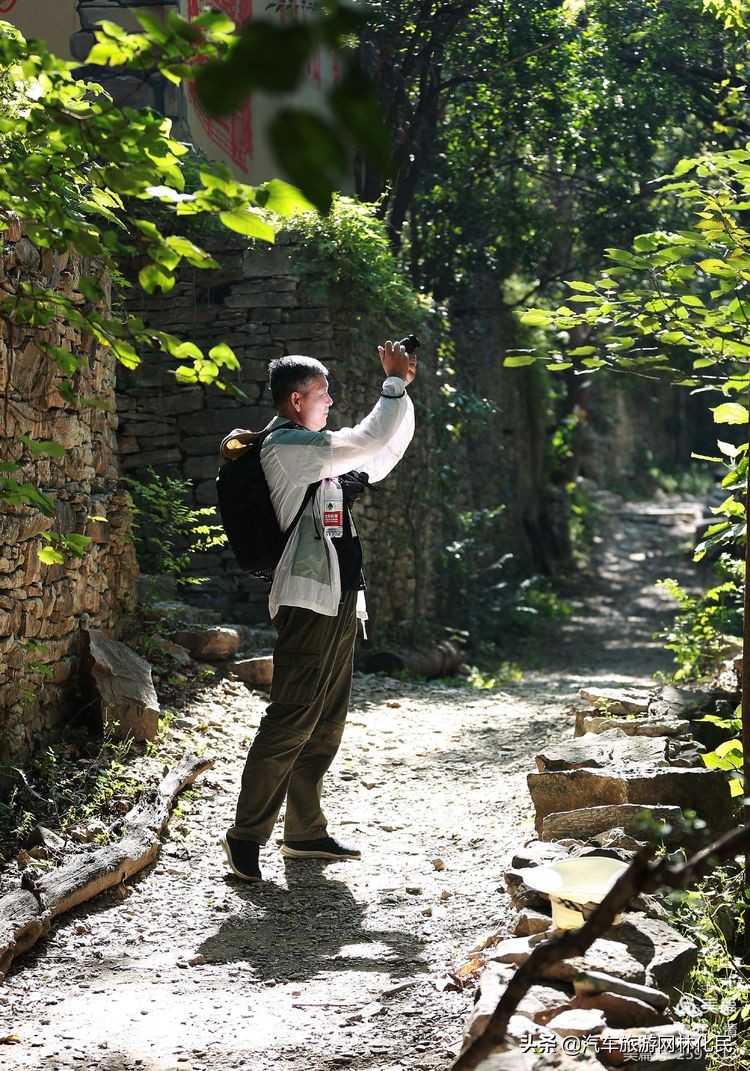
<point>706,625</point>
<point>167,529</point>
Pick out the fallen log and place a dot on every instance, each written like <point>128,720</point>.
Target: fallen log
<point>441,661</point>
<point>643,875</point>
<point>27,913</point>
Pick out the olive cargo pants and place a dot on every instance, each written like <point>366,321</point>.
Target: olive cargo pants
<point>300,732</point>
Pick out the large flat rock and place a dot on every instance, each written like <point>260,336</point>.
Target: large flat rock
<point>612,701</point>
<point>621,1012</point>
<point>605,956</point>
<point>254,672</point>
<point>603,751</point>
<point>542,1002</point>
<point>667,956</point>
<point>645,725</point>
<point>209,644</point>
<point>119,682</point>
<point>583,823</point>
<point>683,703</point>
<point>704,791</point>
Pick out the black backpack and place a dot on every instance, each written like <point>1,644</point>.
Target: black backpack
<point>247,512</point>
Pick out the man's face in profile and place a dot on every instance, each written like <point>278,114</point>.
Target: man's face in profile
<point>314,404</point>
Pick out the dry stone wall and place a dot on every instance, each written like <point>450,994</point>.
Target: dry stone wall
<point>42,606</point>
<point>504,454</point>
<point>263,303</point>
<point>632,426</point>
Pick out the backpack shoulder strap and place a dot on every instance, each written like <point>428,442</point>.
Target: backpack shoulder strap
<point>311,489</point>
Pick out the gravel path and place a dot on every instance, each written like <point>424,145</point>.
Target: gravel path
<point>342,964</point>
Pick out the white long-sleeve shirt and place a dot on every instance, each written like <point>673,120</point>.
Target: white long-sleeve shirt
<point>292,458</point>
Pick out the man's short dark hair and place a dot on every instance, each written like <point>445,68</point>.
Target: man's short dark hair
<point>295,372</point>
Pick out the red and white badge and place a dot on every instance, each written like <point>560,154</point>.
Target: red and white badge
<point>333,509</point>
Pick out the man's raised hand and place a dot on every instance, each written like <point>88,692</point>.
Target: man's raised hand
<point>396,361</point>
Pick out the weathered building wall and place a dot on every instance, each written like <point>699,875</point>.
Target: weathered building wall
<point>262,302</point>
<point>504,453</point>
<point>635,425</point>
<point>41,606</point>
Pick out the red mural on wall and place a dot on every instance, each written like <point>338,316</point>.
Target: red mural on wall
<point>234,135</point>
<point>6,6</point>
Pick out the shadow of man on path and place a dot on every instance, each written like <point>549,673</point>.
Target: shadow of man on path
<point>313,925</point>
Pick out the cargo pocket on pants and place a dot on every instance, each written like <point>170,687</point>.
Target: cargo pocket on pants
<point>295,677</point>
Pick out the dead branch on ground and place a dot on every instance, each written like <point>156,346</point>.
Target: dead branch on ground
<point>26,914</point>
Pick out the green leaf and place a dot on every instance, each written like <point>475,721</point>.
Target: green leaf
<point>183,28</point>
<point>311,153</point>
<point>249,223</point>
<point>683,167</point>
<point>33,496</point>
<point>729,747</point>
<point>65,360</point>
<point>271,57</point>
<point>219,94</point>
<point>720,268</point>
<point>518,362</point>
<point>207,371</point>
<point>730,413</point>
<point>728,448</point>
<point>223,356</point>
<point>156,29</point>
<point>265,56</point>
<point>124,353</point>
<point>283,199</point>
<point>50,556</point>
<point>75,543</point>
<point>154,277</point>
<point>192,253</point>
<point>214,21</point>
<point>185,374</point>
<point>187,349</point>
<point>536,318</point>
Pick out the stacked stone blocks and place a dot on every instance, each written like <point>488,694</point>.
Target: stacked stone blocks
<point>41,606</point>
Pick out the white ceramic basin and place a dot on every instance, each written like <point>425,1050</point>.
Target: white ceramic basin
<point>575,886</point>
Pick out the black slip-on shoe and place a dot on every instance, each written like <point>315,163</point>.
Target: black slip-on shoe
<point>323,848</point>
<point>243,857</point>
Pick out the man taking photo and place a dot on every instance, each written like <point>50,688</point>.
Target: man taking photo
<point>315,598</point>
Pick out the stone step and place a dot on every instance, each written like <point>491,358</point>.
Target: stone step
<point>704,791</point>
<point>644,725</point>
<point>583,823</point>
<point>603,751</point>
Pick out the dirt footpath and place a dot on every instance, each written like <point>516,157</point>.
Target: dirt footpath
<point>341,964</point>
